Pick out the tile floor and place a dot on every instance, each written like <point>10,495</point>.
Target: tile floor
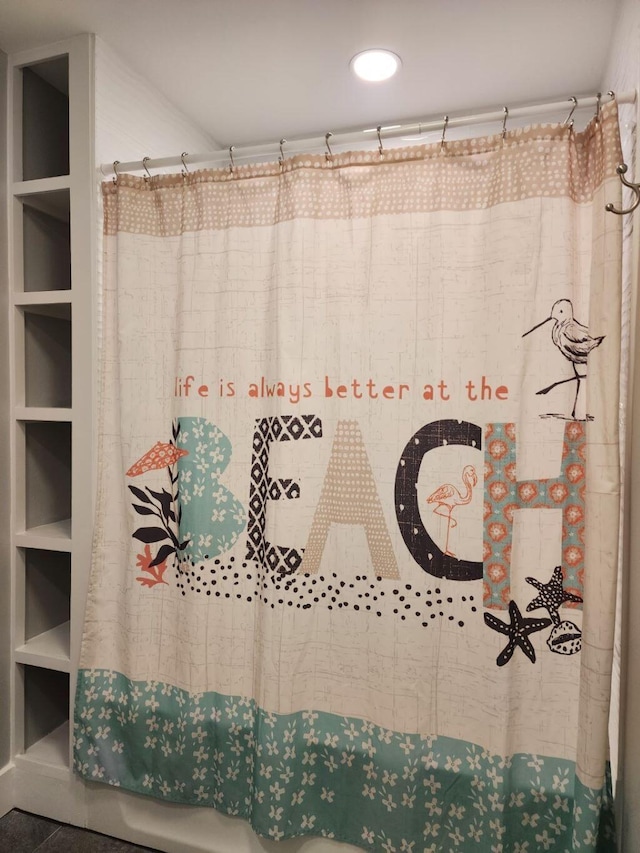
<point>26,833</point>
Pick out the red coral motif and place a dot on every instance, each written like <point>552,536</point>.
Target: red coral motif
<point>156,572</point>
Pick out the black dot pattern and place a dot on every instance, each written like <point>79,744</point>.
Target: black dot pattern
<point>244,580</point>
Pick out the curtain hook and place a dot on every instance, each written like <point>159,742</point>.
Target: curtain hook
<point>505,110</point>
<point>380,148</point>
<point>281,158</point>
<point>611,94</point>
<point>232,162</point>
<point>116,163</point>
<point>444,130</point>
<point>621,170</point>
<point>145,160</point>
<point>598,99</point>
<point>185,170</point>
<point>568,121</point>
<point>329,154</point>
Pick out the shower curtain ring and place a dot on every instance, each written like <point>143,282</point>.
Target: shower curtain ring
<point>185,170</point>
<point>444,130</point>
<point>380,148</point>
<point>329,154</point>
<point>281,158</point>
<point>598,100</point>
<point>568,121</point>
<point>232,164</point>
<point>116,163</point>
<point>505,110</point>
<point>145,160</point>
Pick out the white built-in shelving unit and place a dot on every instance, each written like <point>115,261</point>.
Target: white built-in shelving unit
<point>51,277</point>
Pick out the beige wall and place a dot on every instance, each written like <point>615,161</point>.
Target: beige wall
<point>5,596</point>
<point>623,73</point>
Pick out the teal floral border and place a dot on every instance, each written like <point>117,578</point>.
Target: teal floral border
<point>314,773</point>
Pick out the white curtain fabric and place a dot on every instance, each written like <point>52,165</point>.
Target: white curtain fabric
<point>357,527</point>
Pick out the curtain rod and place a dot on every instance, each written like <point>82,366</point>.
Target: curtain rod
<point>300,146</point>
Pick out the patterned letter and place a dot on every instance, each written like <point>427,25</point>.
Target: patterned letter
<point>422,547</point>
<point>349,496</point>
<point>212,517</point>
<point>504,495</point>
<point>281,428</point>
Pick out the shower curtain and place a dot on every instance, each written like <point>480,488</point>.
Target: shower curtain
<point>357,518</point>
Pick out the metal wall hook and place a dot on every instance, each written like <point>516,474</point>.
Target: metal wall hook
<point>281,158</point>
<point>568,120</point>
<point>621,170</point>
<point>329,154</point>
<point>232,164</point>
<point>185,170</point>
<point>380,148</point>
<point>116,163</point>
<point>505,110</point>
<point>444,130</point>
<point>145,160</point>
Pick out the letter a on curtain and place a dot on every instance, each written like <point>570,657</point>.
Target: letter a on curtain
<point>357,516</point>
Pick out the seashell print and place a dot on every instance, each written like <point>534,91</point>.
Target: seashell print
<point>565,639</point>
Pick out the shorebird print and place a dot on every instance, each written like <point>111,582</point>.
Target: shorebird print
<point>572,339</point>
<point>447,497</point>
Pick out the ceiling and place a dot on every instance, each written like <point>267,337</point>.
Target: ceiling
<point>250,71</point>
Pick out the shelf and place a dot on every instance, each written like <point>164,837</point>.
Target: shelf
<point>40,413</point>
<point>47,200</point>
<point>45,119</point>
<point>51,750</point>
<point>49,650</point>
<point>46,709</point>
<point>47,448</point>
<point>50,537</point>
<point>46,239</point>
<point>47,357</point>
<point>44,581</point>
<point>47,303</point>
<point>49,195</point>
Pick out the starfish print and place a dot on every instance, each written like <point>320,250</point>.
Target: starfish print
<point>552,595</point>
<point>518,631</point>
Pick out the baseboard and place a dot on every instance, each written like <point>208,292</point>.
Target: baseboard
<point>6,789</point>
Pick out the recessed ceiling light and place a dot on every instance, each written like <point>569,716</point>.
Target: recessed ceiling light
<point>375,65</point>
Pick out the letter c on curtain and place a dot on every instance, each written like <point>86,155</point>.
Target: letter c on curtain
<point>420,544</point>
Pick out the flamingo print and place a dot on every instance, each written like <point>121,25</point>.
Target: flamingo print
<point>447,497</point>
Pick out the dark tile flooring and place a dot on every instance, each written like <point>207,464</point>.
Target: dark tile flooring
<point>26,833</point>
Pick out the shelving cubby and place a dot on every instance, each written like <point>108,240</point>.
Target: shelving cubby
<point>42,623</point>
<point>43,230</point>
<point>44,101</point>
<point>44,726</point>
